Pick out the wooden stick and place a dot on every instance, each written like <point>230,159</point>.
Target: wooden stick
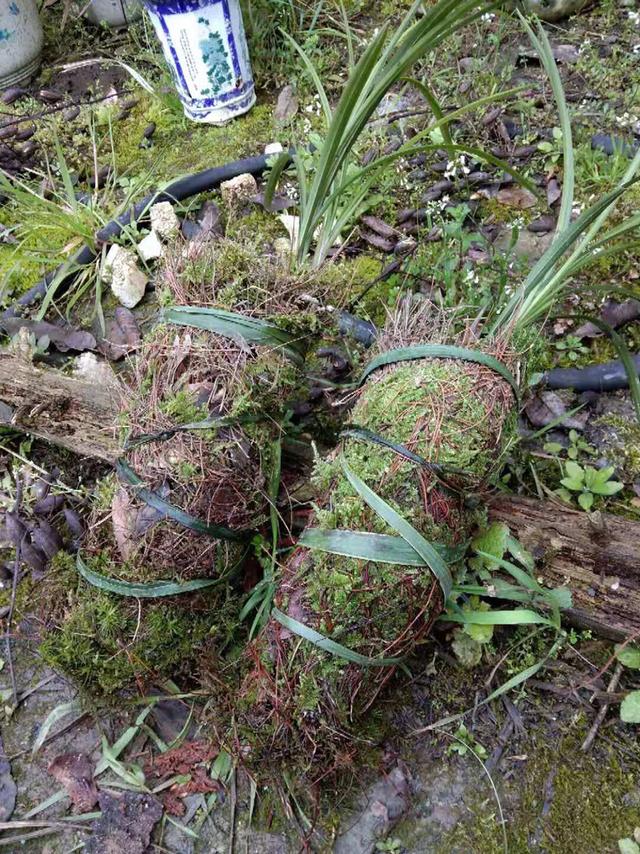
<point>68,410</point>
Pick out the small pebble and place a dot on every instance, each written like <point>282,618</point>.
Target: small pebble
<point>70,114</point>
<point>8,131</point>
<point>149,131</point>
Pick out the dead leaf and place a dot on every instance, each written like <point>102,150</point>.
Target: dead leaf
<point>542,225</point>
<point>182,759</point>
<point>554,193</point>
<point>47,539</point>
<point>614,313</point>
<point>63,337</point>
<point>380,227</point>
<point>8,789</point>
<point>126,823</point>
<point>123,521</point>
<point>287,105</point>
<point>516,197</point>
<point>545,407</point>
<point>74,771</point>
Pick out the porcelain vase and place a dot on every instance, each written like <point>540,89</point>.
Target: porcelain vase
<point>20,42</point>
<point>204,43</point>
<point>114,13</point>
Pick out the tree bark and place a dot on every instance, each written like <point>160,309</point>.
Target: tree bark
<point>596,556</point>
<point>74,411</point>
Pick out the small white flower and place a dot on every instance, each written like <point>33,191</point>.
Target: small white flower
<point>488,16</point>
<point>634,17</point>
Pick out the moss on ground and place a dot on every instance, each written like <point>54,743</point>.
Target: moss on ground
<point>561,800</point>
<point>107,643</point>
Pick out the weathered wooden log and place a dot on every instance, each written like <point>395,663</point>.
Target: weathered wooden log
<point>76,411</point>
<point>596,556</point>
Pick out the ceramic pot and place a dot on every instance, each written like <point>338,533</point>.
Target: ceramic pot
<point>20,42</point>
<point>206,49</point>
<point>114,13</point>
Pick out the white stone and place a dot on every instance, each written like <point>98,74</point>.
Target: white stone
<point>107,264</point>
<point>292,224</point>
<point>238,189</point>
<point>150,248</point>
<point>273,148</point>
<point>128,282</point>
<point>164,221</point>
<point>88,367</point>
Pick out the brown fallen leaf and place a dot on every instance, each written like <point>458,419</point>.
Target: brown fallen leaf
<point>63,337</point>
<point>123,521</point>
<point>614,313</point>
<point>74,771</point>
<point>547,406</point>
<point>287,105</point>
<point>516,197</point>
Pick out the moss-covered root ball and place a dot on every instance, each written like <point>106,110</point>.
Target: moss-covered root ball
<point>300,704</point>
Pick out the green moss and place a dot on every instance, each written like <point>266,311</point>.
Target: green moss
<point>106,644</point>
<point>623,445</point>
<point>181,147</point>
<point>182,409</point>
<point>591,804</point>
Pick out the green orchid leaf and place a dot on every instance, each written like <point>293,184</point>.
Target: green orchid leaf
<point>611,487</point>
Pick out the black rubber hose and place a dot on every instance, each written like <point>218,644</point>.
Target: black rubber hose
<point>179,190</point>
<point>607,377</point>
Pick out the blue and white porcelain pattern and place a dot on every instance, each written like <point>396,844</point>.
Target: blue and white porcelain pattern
<point>20,42</point>
<point>205,46</point>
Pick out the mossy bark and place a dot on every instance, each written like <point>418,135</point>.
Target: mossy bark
<point>301,704</point>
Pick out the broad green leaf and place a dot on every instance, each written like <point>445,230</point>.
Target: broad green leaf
<point>492,541</point>
<point>440,351</point>
<point>629,656</point>
<point>153,499</point>
<point>570,483</point>
<point>611,487</point>
<point>233,325</point>
<point>561,596</point>
<point>585,500</point>
<point>630,708</point>
<point>575,471</point>
<point>329,645</point>
<point>364,545</point>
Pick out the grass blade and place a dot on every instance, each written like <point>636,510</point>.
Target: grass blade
<point>148,590</point>
<point>440,351</point>
<point>431,557</point>
<point>232,325</point>
<point>328,645</point>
